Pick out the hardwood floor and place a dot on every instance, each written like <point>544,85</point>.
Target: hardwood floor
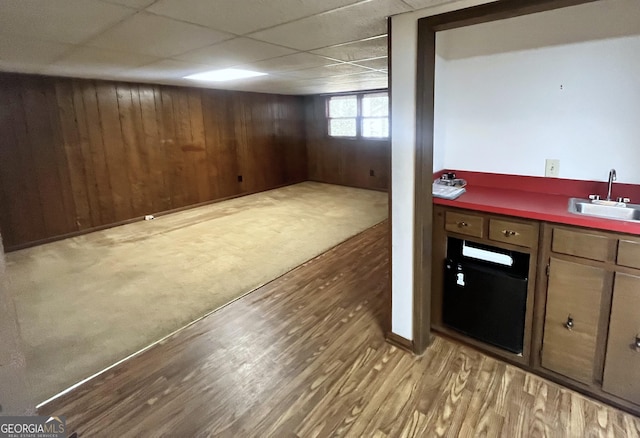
<point>305,356</point>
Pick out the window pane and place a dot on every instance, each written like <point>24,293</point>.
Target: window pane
<point>375,105</point>
<point>375,127</point>
<point>343,106</point>
<point>342,127</point>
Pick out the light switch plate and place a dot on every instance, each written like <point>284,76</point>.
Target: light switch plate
<point>552,167</point>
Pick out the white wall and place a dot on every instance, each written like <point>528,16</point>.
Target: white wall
<point>578,102</point>
<point>403,47</point>
<point>403,87</point>
<point>404,34</point>
<point>440,105</point>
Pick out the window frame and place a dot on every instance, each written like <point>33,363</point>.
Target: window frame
<point>359,118</point>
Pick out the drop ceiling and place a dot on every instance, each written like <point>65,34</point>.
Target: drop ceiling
<point>305,46</point>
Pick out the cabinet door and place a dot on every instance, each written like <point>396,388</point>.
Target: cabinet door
<point>622,362</point>
<point>571,320</point>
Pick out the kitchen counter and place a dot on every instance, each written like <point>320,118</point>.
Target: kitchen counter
<point>544,199</point>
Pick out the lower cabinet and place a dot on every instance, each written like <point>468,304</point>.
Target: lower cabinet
<point>582,324</point>
<point>622,360</point>
<point>591,324</point>
<point>574,297</point>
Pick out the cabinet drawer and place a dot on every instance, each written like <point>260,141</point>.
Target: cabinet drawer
<point>629,253</point>
<point>622,363</point>
<point>464,223</point>
<point>516,233</point>
<point>574,291</point>
<point>581,244</point>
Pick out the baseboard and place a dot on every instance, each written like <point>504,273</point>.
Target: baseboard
<point>400,342</point>
<point>376,189</point>
<point>138,219</point>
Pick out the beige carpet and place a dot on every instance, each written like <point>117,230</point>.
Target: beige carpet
<point>86,302</point>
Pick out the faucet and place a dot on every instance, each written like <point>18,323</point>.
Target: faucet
<point>612,178</point>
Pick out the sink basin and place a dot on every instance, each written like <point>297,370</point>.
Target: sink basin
<point>604,209</point>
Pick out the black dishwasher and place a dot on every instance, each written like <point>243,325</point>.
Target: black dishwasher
<point>485,293</point>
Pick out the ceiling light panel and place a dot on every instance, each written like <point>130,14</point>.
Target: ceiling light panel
<point>157,36</point>
<point>64,21</point>
<point>362,20</point>
<point>243,17</point>
<point>224,75</point>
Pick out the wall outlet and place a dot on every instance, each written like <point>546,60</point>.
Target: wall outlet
<point>552,167</point>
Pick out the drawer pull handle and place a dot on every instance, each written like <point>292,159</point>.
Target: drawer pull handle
<point>569,324</point>
<point>462,224</point>
<point>509,233</point>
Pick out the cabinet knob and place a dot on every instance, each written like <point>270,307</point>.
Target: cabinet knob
<point>509,233</point>
<point>636,345</point>
<point>569,323</point>
<point>462,224</point>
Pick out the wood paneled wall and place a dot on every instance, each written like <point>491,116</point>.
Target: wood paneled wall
<point>343,161</point>
<point>81,154</point>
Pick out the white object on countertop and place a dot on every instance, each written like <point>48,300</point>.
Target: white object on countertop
<point>447,192</point>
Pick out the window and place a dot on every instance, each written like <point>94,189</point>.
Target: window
<point>375,115</point>
<point>343,116</point>
<point>359,115</point>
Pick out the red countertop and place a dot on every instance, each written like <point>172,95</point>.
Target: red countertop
<point>544,199</point>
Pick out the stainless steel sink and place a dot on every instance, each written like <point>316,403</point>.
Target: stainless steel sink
<point>605,209</point>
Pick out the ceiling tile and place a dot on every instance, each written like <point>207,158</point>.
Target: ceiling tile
<point>16,51</point>
<point>359,77</point>
<point>333,87</point>
<point>352,23</point>
<point>65,21</point>
<point>243,17</point>
<point>421,4</point>
<point>156,36</point>
<point>377,63</point>
<point>234,52</point>
<point>165,69</point>
<point>19,67</point>
<point>327,71</point>
<point>84,57</point>
<point>138,4</point>
<point>363,49</point>
<point>80,71</point>
<point>289,62</point>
